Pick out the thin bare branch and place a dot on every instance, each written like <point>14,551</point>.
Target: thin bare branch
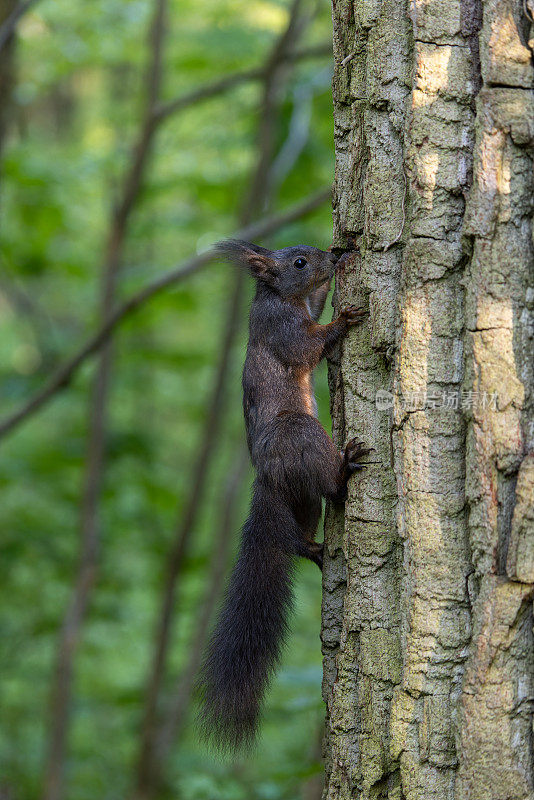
<point>276,67</point>
<point>70,633</point>
<point>299,125</point>
<point>229,82</point>
<point>7,69</point>
<point>64,374</point>
<point>27,305</point>
<point>8,26</point>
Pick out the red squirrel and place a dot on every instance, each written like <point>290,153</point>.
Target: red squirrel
<point>296,465</point>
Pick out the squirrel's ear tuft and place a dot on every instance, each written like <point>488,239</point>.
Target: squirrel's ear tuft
<point>257,259</point>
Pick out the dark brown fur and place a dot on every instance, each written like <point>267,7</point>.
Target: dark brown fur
<point>296,466</point>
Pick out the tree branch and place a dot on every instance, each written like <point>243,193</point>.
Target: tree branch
<point>228,82</point>
<point>64,374</point>
<point>96,435</point>
<point>8,26</point>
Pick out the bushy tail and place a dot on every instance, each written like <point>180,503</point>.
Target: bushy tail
<point>247,641</point>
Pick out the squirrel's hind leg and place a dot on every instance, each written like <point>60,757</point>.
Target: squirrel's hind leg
<point>308,515</point>
<point>351,461</point>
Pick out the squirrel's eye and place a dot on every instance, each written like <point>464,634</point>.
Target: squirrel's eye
<point>299,262</point>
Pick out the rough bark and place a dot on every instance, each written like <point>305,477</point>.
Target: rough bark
<point>428,584</point>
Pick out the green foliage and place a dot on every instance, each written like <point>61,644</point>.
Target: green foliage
<point>76,105</point>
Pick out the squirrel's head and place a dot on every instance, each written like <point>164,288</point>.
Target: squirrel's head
<point>292,272</point>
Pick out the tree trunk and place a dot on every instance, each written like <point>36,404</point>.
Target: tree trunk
<point>429,578</point>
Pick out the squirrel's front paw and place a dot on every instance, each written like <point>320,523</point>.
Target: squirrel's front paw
<point>353,315</point>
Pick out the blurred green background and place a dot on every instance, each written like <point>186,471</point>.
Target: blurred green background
<point>76,100</point>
